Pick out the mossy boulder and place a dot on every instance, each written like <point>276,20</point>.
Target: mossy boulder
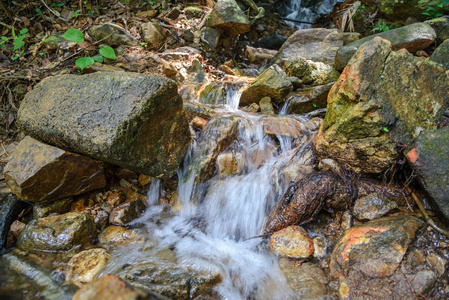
<point>132,120</point>
<point>313,73</point>
<point>112,34</point>
<point>271,83</point>
<point>441,54</point>
<point>41,173</point>
<point>383,98</point>
<point>441,27</point>
<point>429,157</point>
<point>57,233</point>
<point>413,37</point>
<point>228,17</point>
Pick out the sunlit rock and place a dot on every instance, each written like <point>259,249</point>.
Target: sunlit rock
<point>86,265</point>
<point>111,34</point>
<point>293,242</point>
<point>373,206</point>
<point>228,17</point>
<point>113,236</point>
<point>152,35</point>
<point>313,73</point>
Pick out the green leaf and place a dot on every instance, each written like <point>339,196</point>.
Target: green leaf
<point>107,52</point>
<point>4,38</point>
<point>386,129</point>
<point>39,12</point>
<point>57,4</point>
<point>74,35</point>
<point>76,13</point>
<point>50,38</point>
<point>83,62</point>
<point>98,58</point>
<point>313,104</point>
<point>18,42</point>
<point>23,31</point>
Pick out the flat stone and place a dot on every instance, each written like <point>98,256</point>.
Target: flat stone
<point>283,126</point>
<point>117,35</point>
<point>307,280</point>
<point>86,265</point>
<point>375,248</point>
<point>259,55</point>
<point>210,36</point>
<point>373,206</point>
<point>293,242</point>
<point>313,73</point>
<point>112,287</point>
<point>41,173</point>
<point>143,129</point>
<point>113,236</point>
<point>57,233</point>
<point>412,37</point>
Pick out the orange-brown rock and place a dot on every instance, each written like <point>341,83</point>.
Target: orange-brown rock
<point>41,173</point>
<point>118,236</point>
<point>293,242</point>
<point>259,55</point>
<point>284,126</point>
<point>86,265</point>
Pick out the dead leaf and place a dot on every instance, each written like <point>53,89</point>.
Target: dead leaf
<point>25,21</point>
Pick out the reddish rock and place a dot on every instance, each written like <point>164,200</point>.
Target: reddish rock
<point>229,164</point>
<point>375,248</point>
<point>41,173</point>
<point>293,242</point>
<point>199,122</point>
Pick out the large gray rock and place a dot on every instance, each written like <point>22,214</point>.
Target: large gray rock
<point>313,73</point>
<point>315,44</point>
<point>429,157</point>
<point>112,34</point>
<point>41,173</point>
<point>441,27</point>
<point>382,98</point>
<point>135,121</point>
<point>441,54</point>
<point>228,16</point>
<point>413,37</point>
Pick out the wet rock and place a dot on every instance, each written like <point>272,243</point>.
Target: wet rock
<point>307,280</point>
<point>144,180</point>
<point>113,236</point>
<point>266,107</point>
<point>296,82</point>
<point>57,233</point>
<point>164,277</point>
<point>368,114</point>
<point>82,205</point>
<point>375,248</point>
<point>271,83</point>
<point>293,242</point>
<point>429,158</point>
<point>441,27</point>
<point>152,35</point>
<point>314,73</point>
<point>319,246</point>
<point>373,206</point>
<point>173,13</point>
<point>194,109</point>
<point>283,126</point>
<point>228,17</point>
<point>438,263</point>
<point>195,82</point>
<point>218,135</point>
<point>16,228</point>
<point>229,164</point>
<point>60,206</point>
<point>112,287</point>
<point>315,44</point>
<point>259,55</point>
<point>118,36</point>
<point>199,122</point>
<point>308,99</point>
<point>86,265</point>
<point>144,129</point>
<point>193,12</point>
<point>126,212</point>
<point>10,210</point>
<point>41,173</point>
<point>210,36</point>
<point>441,55</point>
<point>412,37</point>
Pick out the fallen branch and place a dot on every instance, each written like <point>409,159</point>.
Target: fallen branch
<point>426,216</point>
<point>53,11</point>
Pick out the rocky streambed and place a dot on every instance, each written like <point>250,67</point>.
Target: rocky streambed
<point>318,172</point>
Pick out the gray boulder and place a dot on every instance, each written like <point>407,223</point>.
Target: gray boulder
<point>228,16</point>
<point>441,54</point>
<point>429,157</point>
<point>112,34</point>
<point>413,37</point>
<point>441,27</point>
<point>132,120</point>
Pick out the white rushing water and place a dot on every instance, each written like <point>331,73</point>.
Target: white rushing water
<point>306,11</point>
<point>217,220</point>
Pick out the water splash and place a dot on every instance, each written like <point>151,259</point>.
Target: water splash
<point>303,10</point>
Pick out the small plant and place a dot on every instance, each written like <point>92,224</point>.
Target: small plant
<point>75,35</point>
<point>381,27</point>
<point>432,13</point>
<point>17,41</point>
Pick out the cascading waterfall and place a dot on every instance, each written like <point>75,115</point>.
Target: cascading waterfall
<point>218,219</point>
<point>304,10</point>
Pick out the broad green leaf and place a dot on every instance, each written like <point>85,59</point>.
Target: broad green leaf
<point>98,58</point>
<point>107,52</point>
<point>386,129</point>
<point>74,35</point>
<point>18,42</point>
<point>83,62</point>
<point>50,38</point>
<point>4,38</point>
<point>57,4</point>
<point>23,31</point>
